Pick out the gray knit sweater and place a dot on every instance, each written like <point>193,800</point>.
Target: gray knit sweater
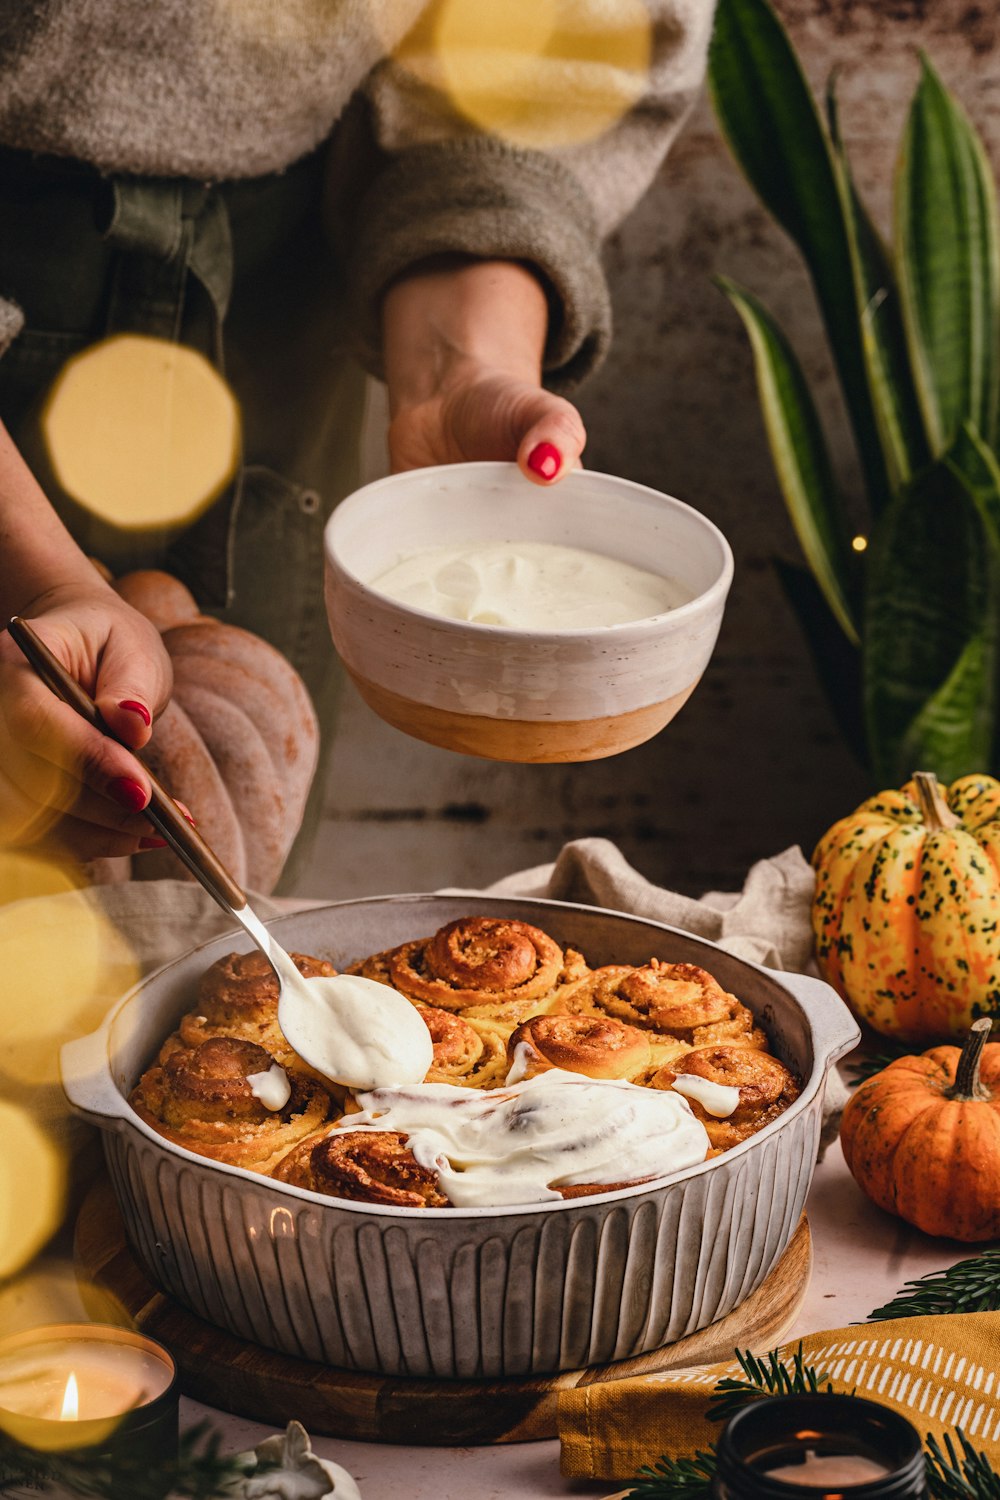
<point>219,89</point>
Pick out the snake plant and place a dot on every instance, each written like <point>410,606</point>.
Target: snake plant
<point>906,633</point>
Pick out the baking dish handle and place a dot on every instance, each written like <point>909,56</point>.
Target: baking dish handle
<point>835,1030</point>
<point>87,1081</point>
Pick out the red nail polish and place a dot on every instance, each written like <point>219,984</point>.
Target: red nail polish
<point>128,793</point>
<point>138,708</point>
<point>152,843</point>
<point>546,460</point>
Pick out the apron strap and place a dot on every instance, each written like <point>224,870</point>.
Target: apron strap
<point>167,227</point>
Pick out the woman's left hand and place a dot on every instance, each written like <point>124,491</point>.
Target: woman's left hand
<point>463,350</point>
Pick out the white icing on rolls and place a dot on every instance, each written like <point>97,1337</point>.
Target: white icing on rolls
<point>521,1143</point>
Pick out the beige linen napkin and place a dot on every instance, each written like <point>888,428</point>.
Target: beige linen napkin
<point>939,1372</point>
<point>766,922</point>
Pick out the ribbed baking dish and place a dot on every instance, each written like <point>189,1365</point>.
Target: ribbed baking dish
<point>471,1292</point>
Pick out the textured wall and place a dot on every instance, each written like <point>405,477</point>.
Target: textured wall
<point>754,762</point>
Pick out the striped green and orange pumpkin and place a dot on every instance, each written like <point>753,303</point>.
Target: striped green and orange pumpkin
<point>906,913</point>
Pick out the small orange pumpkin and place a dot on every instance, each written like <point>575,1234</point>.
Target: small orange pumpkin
<point>922,1138</point>
<point>906,914</point>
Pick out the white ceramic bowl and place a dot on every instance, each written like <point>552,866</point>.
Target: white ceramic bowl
<point>511,694</point>
<point>461,1292</point>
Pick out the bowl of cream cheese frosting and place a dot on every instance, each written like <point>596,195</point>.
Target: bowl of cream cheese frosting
<point>482,614</point>
<point>511,1279</point>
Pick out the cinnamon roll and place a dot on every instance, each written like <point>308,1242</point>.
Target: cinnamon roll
<point>370,1166</point>
<point>203,1098</point>
<point>676,1000</point>
<point>595,1045</point>
<point>766,1089</point>
<point>238,996</point>
<point>468,1053</point>
<point>483,967</point>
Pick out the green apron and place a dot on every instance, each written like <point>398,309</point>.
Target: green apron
<point>240,271</point>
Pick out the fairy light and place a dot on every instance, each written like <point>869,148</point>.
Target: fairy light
<point>859,543</point>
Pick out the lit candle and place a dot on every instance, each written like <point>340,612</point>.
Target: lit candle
<point>87,1392</point>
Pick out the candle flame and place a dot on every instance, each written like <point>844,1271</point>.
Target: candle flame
<point>71,1401</point>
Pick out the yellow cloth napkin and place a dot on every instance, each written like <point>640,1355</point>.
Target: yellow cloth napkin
<point>940,1372</point>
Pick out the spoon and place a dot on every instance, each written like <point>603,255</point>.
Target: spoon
<point>352,1030</point>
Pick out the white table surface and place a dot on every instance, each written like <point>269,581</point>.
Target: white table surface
<point>861,1258</point>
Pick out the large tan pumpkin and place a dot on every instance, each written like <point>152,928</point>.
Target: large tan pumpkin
<point>237,743</point>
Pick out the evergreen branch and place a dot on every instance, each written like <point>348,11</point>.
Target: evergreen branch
<point>676,1478</point>
<point>950,1476</point>
<point>769,1376</point>
<point>969,1286</point>
<point>860,1069</point>
<point>200,1471</point>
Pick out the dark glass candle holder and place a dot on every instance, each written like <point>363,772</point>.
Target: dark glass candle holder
<point>819,1447</point>
<point>89,1396</point>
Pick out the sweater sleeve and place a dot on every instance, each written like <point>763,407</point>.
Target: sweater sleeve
<point>449,186</point>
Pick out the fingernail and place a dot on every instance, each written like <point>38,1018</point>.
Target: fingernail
<point>186,812</point>
<point>128,793</point>
<point>138,708</point>
<point>546,460</point>
<point>152,843</point>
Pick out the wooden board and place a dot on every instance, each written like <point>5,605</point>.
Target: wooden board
<point>236,1376</point>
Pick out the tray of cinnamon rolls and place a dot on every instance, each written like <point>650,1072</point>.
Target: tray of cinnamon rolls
<point>503,1003</point>
<point>310,1218</point>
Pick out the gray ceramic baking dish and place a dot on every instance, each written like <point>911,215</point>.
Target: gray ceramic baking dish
<point>461,1293</point>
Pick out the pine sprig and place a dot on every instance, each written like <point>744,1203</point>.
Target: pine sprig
<point>769,1376</point>
<point>676,1478</point>
<point>860,1069</point>
<point>200,1472</point>
<point>969,1286</point>
<point>954,1476</point>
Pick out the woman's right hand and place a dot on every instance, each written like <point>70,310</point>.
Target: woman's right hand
<point>64,786</point>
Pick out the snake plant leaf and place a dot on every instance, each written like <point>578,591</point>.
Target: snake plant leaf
<point>932,623</point>
<point>977,466</point>
<point>774,129</point>
<point>948,264</point>
<point>883,337</point>
<point>799,454</point>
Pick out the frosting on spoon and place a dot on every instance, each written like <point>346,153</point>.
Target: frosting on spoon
<point>355,1031</point>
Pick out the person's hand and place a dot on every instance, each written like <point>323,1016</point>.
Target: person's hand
<point>463,355</point>
<point>484,413</point>
<point>65,787</point>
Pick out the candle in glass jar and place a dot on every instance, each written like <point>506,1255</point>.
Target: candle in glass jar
<point>90,1393</point>
<point>822,1446</point>
<point>80,1377</point>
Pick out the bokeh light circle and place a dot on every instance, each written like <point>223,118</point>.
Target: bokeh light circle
<point>32,1188</point>
<point>536,73</point>
<point>141,432</point>
<point>63,964</point>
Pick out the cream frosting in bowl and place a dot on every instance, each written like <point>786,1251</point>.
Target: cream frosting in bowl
<point>481,680</point>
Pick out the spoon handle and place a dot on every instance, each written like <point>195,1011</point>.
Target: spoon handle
<point>169,822</point>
